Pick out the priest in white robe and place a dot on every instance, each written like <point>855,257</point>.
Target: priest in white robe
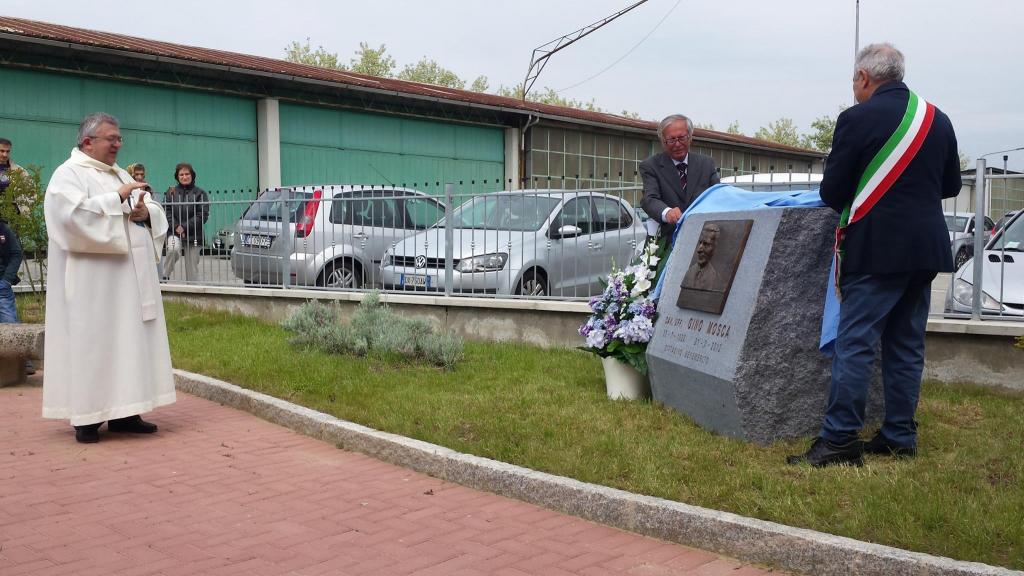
<point>107,357</point>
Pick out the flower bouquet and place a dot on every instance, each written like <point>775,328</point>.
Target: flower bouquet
<point>622,321</point>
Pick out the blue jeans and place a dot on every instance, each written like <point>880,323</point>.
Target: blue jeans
<point>893,309</point>
<point>8,312</point>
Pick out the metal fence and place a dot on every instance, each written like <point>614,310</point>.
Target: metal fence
<point>455,239</point>
<point>550,241</point>
<point>989,287</point>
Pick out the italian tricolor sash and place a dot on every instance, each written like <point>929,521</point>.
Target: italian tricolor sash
<point>887,165</point>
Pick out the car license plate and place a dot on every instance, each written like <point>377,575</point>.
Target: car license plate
<point>256,240</point>
<point>415,280</point>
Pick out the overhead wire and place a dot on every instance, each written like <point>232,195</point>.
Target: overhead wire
<point>630,51</point>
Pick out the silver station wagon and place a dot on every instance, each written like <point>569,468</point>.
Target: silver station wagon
<point>335,235</point>
<point>532,242</point>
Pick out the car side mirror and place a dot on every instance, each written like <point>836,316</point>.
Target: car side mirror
<point>567,231</point>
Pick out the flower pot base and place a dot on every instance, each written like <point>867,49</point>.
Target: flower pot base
<point>623,382</point>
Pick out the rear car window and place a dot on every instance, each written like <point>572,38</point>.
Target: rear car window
<point>268,206</point>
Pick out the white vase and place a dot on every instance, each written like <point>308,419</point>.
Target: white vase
<point>624,382</point>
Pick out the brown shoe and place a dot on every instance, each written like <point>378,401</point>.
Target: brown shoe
<point>131,424</point>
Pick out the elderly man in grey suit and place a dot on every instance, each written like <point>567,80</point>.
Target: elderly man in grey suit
<point>675,177</point>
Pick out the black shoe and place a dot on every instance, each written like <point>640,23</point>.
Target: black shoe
<point>825,453</point>
<point>134,424</point>
<point>88,434</point>
<point>879,445</point>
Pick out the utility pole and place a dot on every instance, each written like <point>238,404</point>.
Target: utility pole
<point>856,34</point>
<point>540,56</point>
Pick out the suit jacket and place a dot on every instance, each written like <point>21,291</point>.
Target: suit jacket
<point>905,231</point>
<point>662,188</point>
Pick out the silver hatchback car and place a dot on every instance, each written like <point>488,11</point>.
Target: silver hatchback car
<point>531,242</point>
<point>335,235</point>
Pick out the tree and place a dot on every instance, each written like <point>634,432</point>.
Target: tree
<point>965,160</point>
<point>480,84</point>
<point>303,54</point>
<point>373,61</point>
<point>430,72</point>
<point>25,217</point>
<point>821,138</point>
<point>734,128</point>
<point>782,131</point>
<point>703,126</point>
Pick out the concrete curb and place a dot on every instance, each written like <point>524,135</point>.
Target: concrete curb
<point>794,549</point>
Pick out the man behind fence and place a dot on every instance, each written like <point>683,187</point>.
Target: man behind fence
<point>894,158</point>
<point>107,357</point>
<point>675,177</point>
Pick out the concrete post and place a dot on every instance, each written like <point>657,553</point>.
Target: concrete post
<point>512,159</point>
<point>979,237</point>
<point>268,143</point>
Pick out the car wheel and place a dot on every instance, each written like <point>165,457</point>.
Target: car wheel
<point>533,283</point>
<point>341,274</point>
<point>961,258</point>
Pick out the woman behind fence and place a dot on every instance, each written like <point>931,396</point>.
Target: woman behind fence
<point>187,210</point>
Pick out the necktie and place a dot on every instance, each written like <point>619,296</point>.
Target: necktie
<point>682,173</point>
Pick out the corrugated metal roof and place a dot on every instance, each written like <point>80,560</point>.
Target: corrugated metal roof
<point>56,32</point>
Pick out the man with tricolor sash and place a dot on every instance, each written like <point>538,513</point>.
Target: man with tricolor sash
<point>894,158</point>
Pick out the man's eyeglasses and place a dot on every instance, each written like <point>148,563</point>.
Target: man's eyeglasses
<point>111,139</point>
<point>678,140</point>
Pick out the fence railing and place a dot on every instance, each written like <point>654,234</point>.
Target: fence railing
<point>546,243</point>
<point>466,238</point>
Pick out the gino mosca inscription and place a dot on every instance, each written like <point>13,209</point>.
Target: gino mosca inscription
<point>716,257</point>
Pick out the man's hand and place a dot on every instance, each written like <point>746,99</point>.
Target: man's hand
<point>673,215</point>
<point>126,190</point>
<point>139,212</point>
<point>180,230</point>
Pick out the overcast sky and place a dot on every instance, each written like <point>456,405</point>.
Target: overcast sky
<point>751,61</point>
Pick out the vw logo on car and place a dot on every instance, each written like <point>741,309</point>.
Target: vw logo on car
<point>421,261</point>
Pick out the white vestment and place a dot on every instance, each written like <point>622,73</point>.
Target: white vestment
<point>106,350</point>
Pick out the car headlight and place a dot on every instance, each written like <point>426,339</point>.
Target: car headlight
<point>388,259</point>
<point>963,292</point>
<point>484,263</point>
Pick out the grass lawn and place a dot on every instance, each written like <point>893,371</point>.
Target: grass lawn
<point>546,409</point>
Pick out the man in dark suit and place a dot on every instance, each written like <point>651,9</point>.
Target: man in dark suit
<point>895,243</point>
<point>674,178</point>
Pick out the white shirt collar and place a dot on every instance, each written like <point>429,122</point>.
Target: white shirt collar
<point>685,160</point>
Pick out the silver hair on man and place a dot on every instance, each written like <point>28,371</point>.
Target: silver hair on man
<point>87,129</point>
<point>670,120</point>
<point>883,62</point>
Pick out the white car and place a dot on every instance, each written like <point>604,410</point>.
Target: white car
<point>1002,275</point>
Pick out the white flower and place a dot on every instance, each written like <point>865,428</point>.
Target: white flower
<point>641,287</point>
<point>653,261</point>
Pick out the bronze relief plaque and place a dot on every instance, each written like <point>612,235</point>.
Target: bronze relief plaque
<point>716,257</point>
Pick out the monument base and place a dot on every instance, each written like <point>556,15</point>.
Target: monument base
<point>753,371</point>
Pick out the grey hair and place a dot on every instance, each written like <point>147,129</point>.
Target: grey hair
<point>670,120</point>
<point>883,62</point>
<point>712,228</point>
<point>87,129</point>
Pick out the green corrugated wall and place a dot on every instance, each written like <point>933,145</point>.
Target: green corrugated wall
<point>40,113</point>
<point>320,146</point>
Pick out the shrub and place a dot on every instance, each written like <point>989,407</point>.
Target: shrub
<point>374,329</point>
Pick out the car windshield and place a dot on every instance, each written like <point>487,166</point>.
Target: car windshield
<point>504,212</point>
<point>1011,238</point>
<point>268,206</point>
<point>956,223</point>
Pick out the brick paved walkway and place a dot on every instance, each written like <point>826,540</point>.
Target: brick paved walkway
<point>218,491</point>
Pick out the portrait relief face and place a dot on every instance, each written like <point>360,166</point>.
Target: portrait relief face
<point>706,246</point>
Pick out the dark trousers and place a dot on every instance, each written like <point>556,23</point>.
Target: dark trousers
<point>893,309</point>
